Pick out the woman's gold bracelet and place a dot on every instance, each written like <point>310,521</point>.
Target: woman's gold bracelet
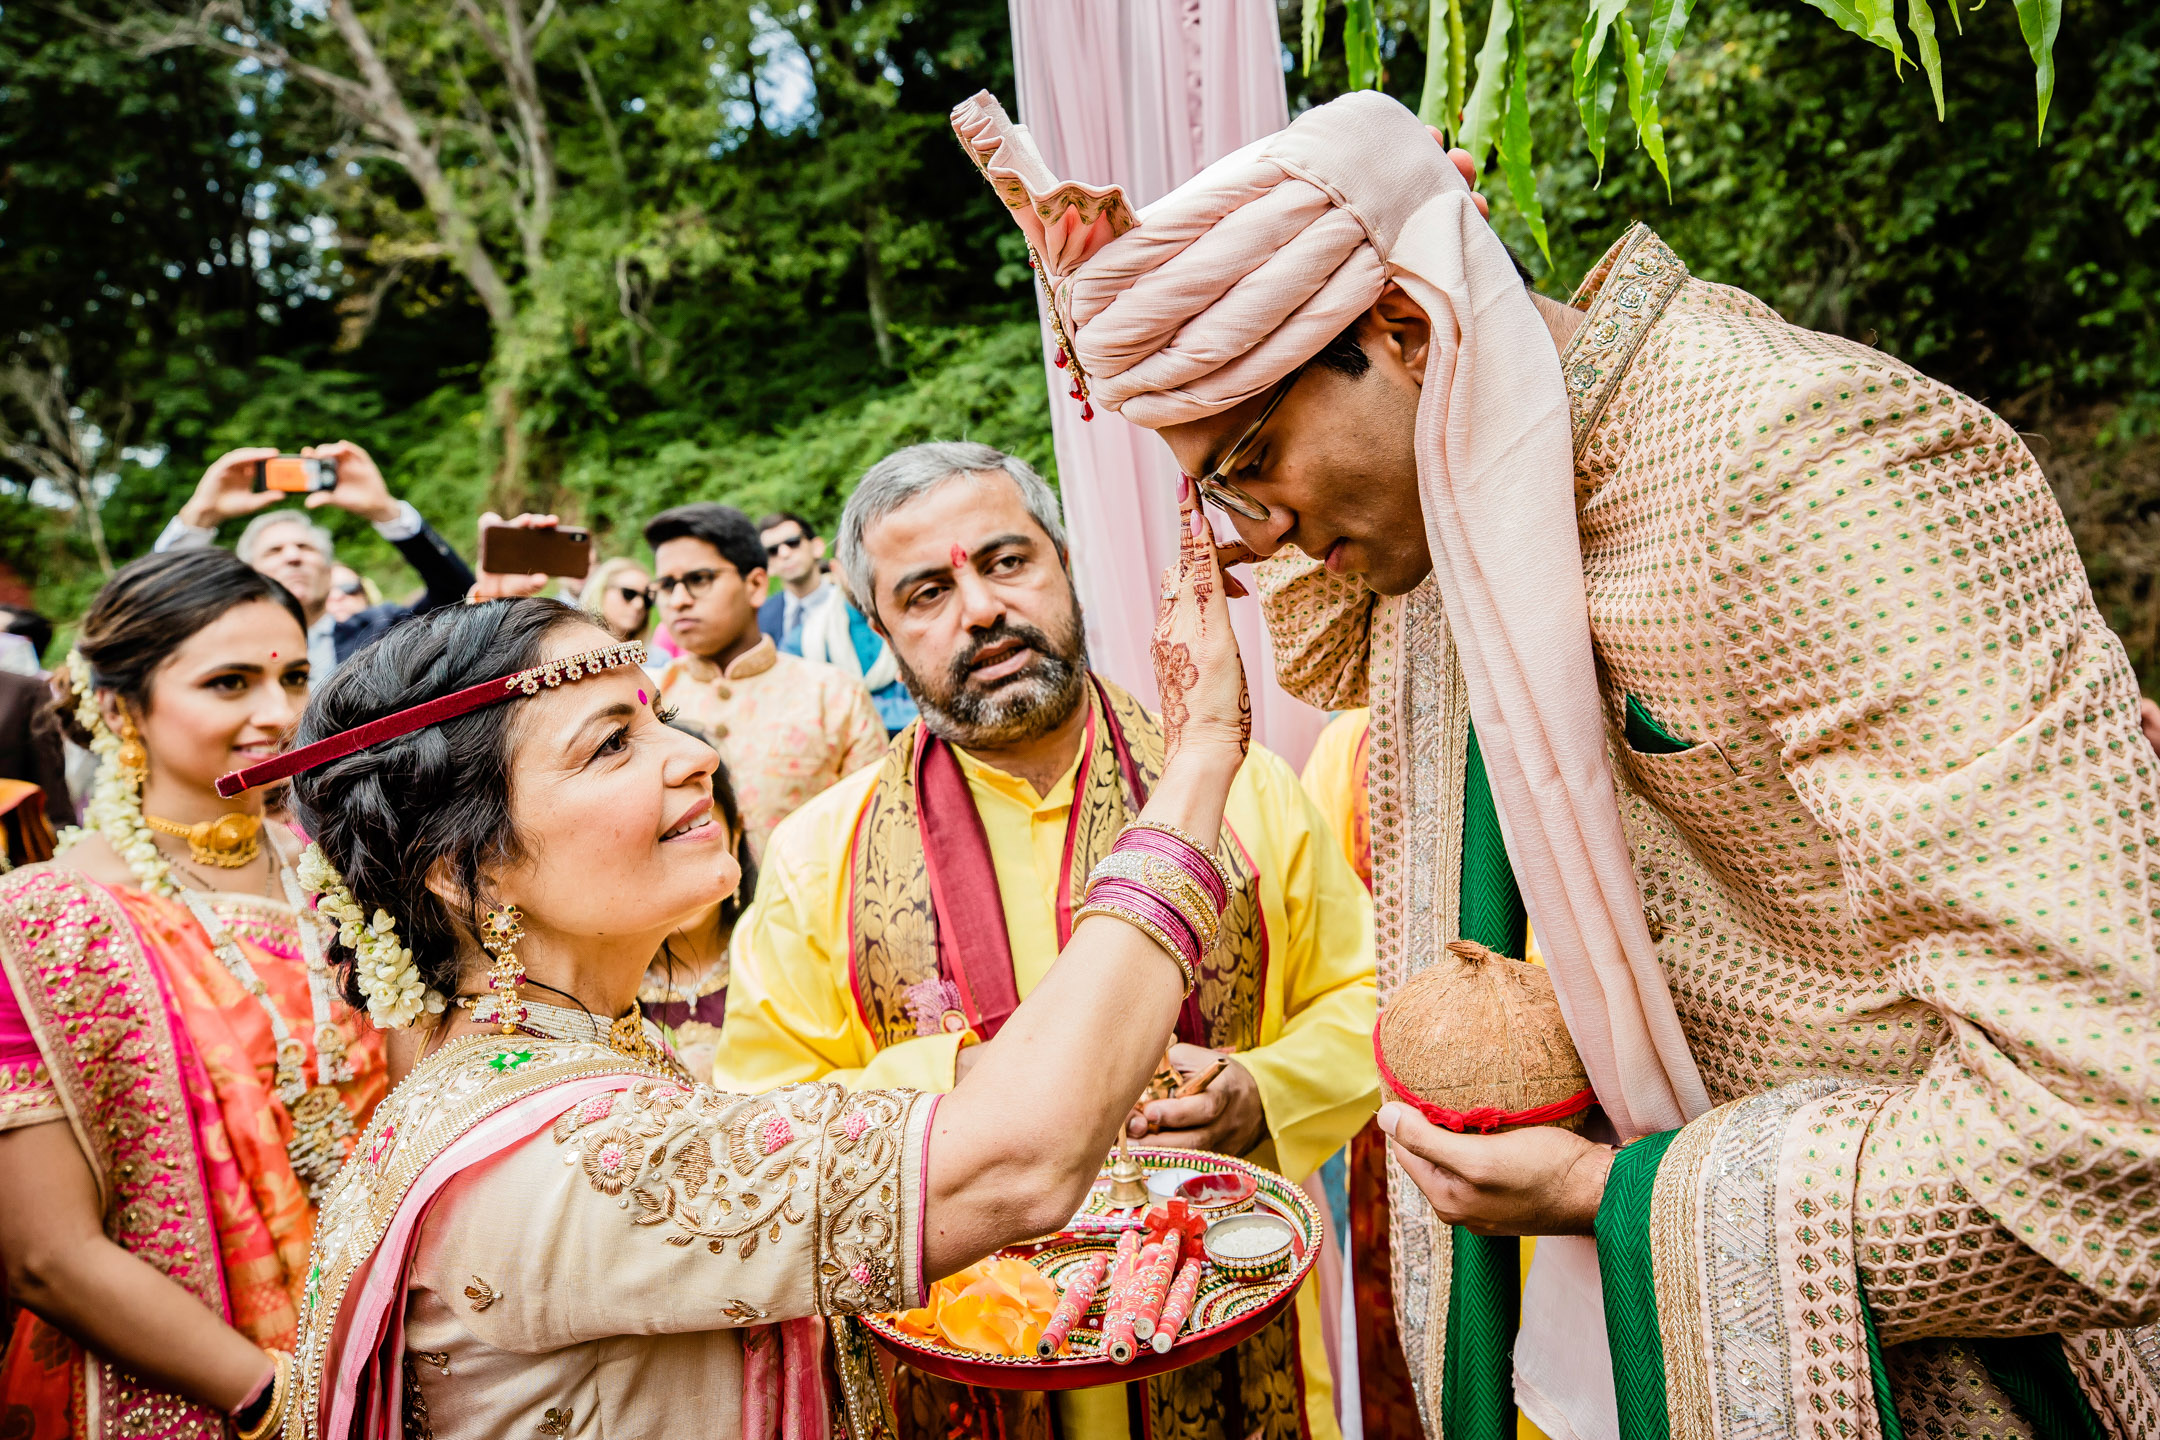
<point>273,1418</point>
<point>1146,927</point>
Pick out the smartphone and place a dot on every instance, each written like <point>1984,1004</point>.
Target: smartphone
<point>295,474</point>
<point>514,550</point>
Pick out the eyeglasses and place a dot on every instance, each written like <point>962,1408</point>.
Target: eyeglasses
<point>778,547</point>
<point>697,582</point>
<point>1221,493</point>
<point>644,597</point>
<point>352,587</point>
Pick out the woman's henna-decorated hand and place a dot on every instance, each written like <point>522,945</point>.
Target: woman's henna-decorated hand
<point>1198,672</point>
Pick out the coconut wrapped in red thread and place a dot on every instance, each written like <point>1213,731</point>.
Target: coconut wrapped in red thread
<point>1475,1043</point>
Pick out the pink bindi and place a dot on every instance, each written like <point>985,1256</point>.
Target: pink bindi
<point>641,697</point>
<point>959,557</point>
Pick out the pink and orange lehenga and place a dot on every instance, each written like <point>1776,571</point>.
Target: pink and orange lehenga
<point>119,1018</point>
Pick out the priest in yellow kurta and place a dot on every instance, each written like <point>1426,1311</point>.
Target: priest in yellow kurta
<point>902,914</point>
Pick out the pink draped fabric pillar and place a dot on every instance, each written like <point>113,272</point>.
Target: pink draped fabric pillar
<point>1144,94</point>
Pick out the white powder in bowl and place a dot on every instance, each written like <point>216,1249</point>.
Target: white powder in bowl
<point>1248,1241</point>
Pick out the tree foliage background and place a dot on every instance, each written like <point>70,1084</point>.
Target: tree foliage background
<point>735,253</point>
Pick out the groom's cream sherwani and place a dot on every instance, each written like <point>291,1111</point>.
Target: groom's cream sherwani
<point>1898,839</point>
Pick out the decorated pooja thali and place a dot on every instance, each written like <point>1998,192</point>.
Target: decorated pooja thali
<point>1248,1235</point>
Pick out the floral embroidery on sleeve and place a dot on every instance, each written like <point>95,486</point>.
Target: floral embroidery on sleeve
<point>734,1173</point>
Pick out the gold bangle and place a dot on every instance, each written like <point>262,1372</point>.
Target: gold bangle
<point>1170,883</point>
<point>273,1420</point>
<point>1146,927</point>
<point>1169,829</point>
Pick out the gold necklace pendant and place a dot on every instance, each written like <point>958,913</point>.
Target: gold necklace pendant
<point>227,842</point>
<point>627,1037</point>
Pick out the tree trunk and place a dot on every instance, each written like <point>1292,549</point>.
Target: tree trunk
<point>874,288</point>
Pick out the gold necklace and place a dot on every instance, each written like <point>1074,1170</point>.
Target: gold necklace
<point>227,842</point>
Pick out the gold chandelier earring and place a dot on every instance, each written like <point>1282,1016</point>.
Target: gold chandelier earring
<point>500,931</point>
<point>133,757</point>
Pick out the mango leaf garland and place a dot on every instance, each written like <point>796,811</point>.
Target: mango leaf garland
<point>1488,98</point>
<point>1597,75</point>
<point>1361,39</point>
<point>1515,163</point>
<point>2038,20</point>
<point>1642,104</point>
<point>1433,100</point>
<point>1312,29</point>
<point>1921,20</point>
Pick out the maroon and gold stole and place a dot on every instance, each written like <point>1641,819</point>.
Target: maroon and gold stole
<point>130,1082</point>
<point>928,949</point>
<point>928,952</point>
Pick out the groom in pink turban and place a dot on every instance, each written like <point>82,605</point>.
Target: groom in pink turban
<point>1759,672</point>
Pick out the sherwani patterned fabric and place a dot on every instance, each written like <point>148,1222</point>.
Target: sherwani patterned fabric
<point>1900,865</point>
<point>578,1243</point>
<point>817,995</point>
<point>786,727</point>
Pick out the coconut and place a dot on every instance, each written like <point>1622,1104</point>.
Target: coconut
<point>1477,1030</point>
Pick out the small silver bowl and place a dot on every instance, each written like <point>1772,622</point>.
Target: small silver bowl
<point>1250,1247</point>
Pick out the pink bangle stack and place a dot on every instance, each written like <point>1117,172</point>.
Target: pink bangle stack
<point>1158,881</point>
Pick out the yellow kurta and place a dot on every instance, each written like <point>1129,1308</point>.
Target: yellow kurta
<point>792,1013</point>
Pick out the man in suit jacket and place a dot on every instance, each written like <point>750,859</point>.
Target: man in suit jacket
<point>299,554</point>
<point>795,556</point>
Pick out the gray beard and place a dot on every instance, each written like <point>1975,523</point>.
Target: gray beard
<point>1026,707</point>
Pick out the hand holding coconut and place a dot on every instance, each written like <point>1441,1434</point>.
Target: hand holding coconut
<point>1484,1094</point>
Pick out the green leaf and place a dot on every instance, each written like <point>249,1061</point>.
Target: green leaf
<point>1642,104</point>
<point>1488,101</point>
<point>1921,20</point>
<point>1668,19</point>
<point>1458,66</point>
<point>1432,106</point>
<point>1361,40</point>
<point>2039,20</point>
<point>1313,30</point>
<point>1515,162</point>
<point>1957,16</point>
<point>1846,13</point>
<point>1597,76</point>
<point>1881,19</point>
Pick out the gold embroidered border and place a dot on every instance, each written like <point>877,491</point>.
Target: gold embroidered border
<point>1415,759</point>
<point>92,998</point>
<point>1677,1278</point>
<point>1624,294</point>
<point>447,1094</point>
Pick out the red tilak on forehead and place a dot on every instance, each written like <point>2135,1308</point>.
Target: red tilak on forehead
<point>959,557</point>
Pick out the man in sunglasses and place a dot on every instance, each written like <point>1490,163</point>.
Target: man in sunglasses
<point>1763,670</point>
<point>809,616</point>
<point>787,727</point>
<point>794,556</point>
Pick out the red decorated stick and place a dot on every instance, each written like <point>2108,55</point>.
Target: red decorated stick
<point>1178,1308</point>
<point>1117,1329</point>
<point>1154,1286</point>
<point>1072,1305</point>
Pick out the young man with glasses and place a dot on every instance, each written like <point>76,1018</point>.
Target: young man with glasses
<point>787,727</point>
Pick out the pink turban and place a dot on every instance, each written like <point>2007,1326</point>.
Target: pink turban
<point>1239,275</point>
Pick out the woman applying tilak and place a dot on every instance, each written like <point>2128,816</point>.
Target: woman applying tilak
<point>554,1230</point>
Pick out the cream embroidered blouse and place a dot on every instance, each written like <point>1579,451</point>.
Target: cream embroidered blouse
<point>591,1272</point>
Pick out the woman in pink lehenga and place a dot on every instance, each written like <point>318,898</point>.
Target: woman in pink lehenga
<point>550,1228</point>
<point>179,1080</point>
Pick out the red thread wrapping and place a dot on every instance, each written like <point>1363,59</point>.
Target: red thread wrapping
<point>1486,1118</point>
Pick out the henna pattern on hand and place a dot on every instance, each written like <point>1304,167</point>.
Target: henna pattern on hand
<point>1175,675</point>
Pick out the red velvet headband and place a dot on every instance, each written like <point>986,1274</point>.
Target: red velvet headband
<point>434,712</point>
